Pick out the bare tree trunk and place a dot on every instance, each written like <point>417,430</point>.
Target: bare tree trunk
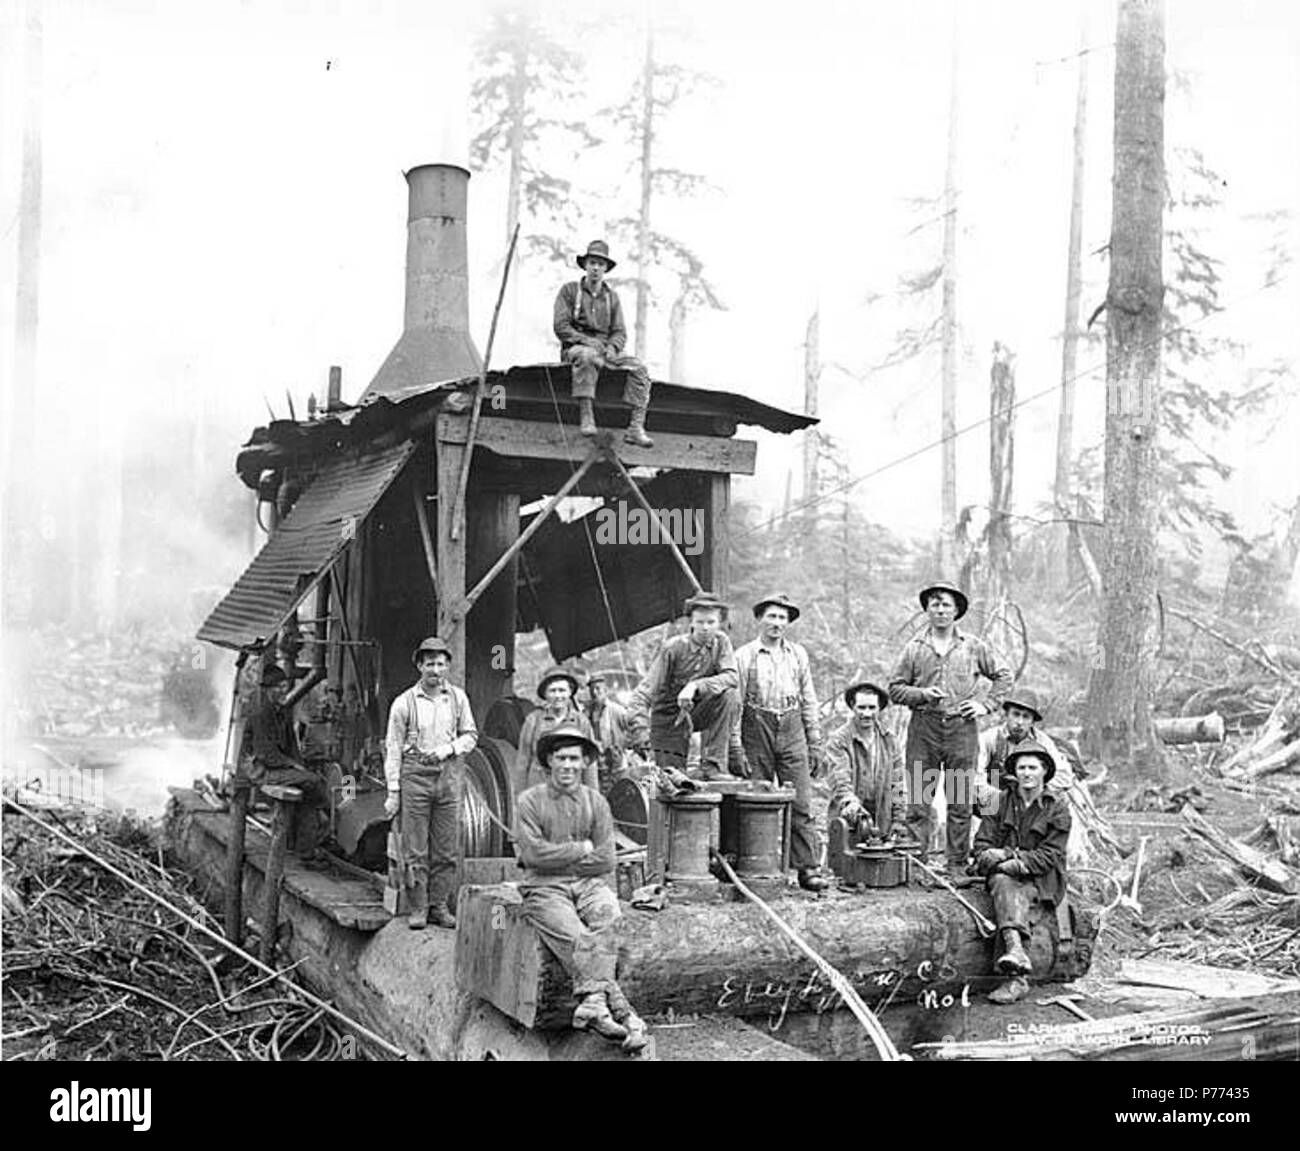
<point>647,173</point>
<point>1070,331</point>
<point>1002,459</point>
<point>677,340</point>
<point>1120,730</point>
<point>812,370</point>
<point>20,527</point>
<point>516,113</point>
<point>948,421</point>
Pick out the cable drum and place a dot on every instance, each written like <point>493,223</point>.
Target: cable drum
<point>489,799</point>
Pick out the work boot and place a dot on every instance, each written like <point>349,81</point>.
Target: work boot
<point>809,880</point>
<point>442,917</point>
<point>1012,991</point>
<point>635,433</point>
<point>593,1014</point>
<point>1014,960</point>
<point>586,418</point>
<point>418,920</point>
<point>623,1014</point>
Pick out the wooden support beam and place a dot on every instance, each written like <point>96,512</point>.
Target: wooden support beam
<point>426,537</point>
<point>549,441</point>
<point>451,554</point>
<point>654,515</point>
<point>717,535</point>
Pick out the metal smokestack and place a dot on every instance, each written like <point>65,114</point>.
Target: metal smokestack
<point>435,344</point>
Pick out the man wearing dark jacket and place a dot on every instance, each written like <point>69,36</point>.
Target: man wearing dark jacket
<point>565,836</point>
<point>589,325</point>
<point>1020,850</point>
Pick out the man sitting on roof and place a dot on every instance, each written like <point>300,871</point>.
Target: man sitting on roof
<point>589,325</point>
<point>564,833</point>
<point>558,689</point>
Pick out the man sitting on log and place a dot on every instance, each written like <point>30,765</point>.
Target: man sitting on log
<point>558,690</point>
<point>564,833</point>
<point>589,325</point>
<point>1022,715</point>
<point>693,685</point>
<point>868,789</point>
<point>272,756</point>
<point>1020,850</point>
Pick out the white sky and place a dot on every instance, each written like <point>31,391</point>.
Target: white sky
<point>224,215</point>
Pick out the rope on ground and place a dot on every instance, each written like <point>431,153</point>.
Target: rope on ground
<point>870,1024</point>
<point>359,1028</point>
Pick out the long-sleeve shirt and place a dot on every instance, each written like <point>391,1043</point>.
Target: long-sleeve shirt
<point>779,678</point>
<point>711,665</point>
<point>550,826</point>
<point>611,723</point>
<point>270,741</point>
<point>1035,833</point>
<point>869,765</point>
<point>537,723</point>
<point>957,671</point>
<point>996,745</point>
<point>584,317</point>
<point>426,721</point>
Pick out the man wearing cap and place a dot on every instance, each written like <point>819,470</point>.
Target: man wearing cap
<point>937,676</point>
<point>564,833</point>
<point>1020,851</point>
<point>1021,718</point>
<point>692,685</point>
<point>779,726</point>
<point>868,790</point>
<point>558,691</point>
<point>430,731</point>
<point>589,325</point>
<point>611,724</point>
<point>272,756</point>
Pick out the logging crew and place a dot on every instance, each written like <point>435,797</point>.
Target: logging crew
<point>937,677</point>
<point>272,756</point>
<point>558,691</point>
<point>1021,719</point>
<point>780,732</point>
<point>692,685</point>
<point>1020,850</point>
<point>868,790</point>
<point>611,724</point>
<point>564,833</point>
<point>589,325</point>
<point>430,731</point>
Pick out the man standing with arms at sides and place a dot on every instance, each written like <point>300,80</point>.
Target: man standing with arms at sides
<point>779,726</point>
<point>692,685</point>
<point>611,724</point>
<point>589,325</point>
<point>937,676</point>
<point>430,731</point>
<point>558,689</point>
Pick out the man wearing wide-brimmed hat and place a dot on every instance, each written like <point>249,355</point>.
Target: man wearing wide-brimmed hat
<point>611,724</point>
<point>1021,852</point>
<point>1022,718</point>
<point>564,833</point>
<point>868,790</point>
<point>589,325</point>
<point>558,691</point>
<point>691,686</point>
<point>780,730</point>
<point>271,756</point>
<point>430,731</point>
<point>937,676</point>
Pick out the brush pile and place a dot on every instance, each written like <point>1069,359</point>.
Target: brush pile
<point>94,969</point>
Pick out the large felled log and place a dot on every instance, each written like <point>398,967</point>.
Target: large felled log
<point>1170,729</point>
<point>1270,873</point>
<point>901,944</point>
<point>1279,760</point>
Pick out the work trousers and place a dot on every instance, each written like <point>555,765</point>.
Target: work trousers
<point>777,749</point>
<point>942,748</point>
<point>305,827</point>
<point>575,918</point>
<point>587,363</point>
<point>712,716</point>
<point>1012,899</point>
<point>430,834</point>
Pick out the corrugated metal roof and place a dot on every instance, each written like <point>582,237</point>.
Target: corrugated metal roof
<point>326,516</point>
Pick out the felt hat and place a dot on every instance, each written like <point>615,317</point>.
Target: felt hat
<point>1029,747</point>
<point>599,249</point>
<point>554,673</point>
<point>565,736</point>
<point>957,594</point>
<point>705,599</point>
<point>432,643</point>
<point>777,599</point>
<point>272,674</point>
<point>850,693</point>
<point>1026,698</point>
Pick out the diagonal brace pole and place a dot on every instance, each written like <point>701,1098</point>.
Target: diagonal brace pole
<point>672,544</point>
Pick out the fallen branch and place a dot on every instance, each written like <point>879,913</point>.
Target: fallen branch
<point>1270,873</point>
